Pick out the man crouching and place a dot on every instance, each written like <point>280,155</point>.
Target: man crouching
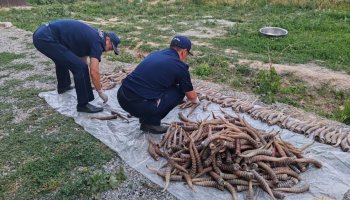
<point>157,85</point>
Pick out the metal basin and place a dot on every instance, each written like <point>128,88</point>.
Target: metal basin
<point>273,31</point>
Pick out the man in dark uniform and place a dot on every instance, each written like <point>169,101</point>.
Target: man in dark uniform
<point>68,43</point>
<point>158,84</point>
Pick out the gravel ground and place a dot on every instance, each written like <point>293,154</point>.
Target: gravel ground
<point>135,187</point>
<point>18,41</point>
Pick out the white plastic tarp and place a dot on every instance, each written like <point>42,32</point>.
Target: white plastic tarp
<point>331,181</point>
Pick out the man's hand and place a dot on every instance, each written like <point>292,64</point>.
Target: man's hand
<point>103,96</point>
<point>192,96</point>
<point>196,101</point>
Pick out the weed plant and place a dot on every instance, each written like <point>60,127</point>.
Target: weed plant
<point>268,84</point>
<point>343,114</point>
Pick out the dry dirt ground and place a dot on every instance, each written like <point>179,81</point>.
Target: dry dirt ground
<point>311,73</point>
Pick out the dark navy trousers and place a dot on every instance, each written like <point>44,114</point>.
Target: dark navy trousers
<point>65,60</point>
<point>147,110</point>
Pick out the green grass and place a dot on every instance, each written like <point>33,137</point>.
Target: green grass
<point>203,70</point>
<point>47,155</point>
<point>43,152</point>
<point>21,66</point>
<point>43,163</point>
<point>4,76</point>
<point>267,84</point>
<point>6,58</point>
<point>86,182</point>
<point>46,63</point>
<point>41,78</point>
<point>314,34</point>
<point>122,57</point>
<point>39,158</point>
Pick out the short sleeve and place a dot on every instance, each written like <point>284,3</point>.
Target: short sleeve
<point>96,51</point>
<point>185,81</point>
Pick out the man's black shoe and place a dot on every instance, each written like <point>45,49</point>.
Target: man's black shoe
<point>63,90</point>
<point>153,129</point>
<point>88,108</point>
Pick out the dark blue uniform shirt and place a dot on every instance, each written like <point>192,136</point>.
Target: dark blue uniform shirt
<point>156,73</point>
<point>82,39</point>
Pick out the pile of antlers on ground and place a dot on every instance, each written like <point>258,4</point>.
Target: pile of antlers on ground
<point>228,153</point>
<point>324,131</point>
<point>110,80</point>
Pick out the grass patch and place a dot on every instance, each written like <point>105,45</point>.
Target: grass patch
<point>8,85</point>
<point>343,113</point>
<point>241,77</point>
<point>307,37</point>
<point>122,57</point>
<point>30,45</point>
<point>314,33</point>
<point>41,78</point>
<point>43,163</point>
<point>46,63</point>
<point>4,76</point>
<point>267,84</point>
<point>203,70</point>
<point>6,58</point>
<point>41,154</point>
<point>21,66</point>
<point>25,97</point>
<point>147,48</point>
<point>90,184</point>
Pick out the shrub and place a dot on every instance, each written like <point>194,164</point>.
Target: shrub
<point>203,70</point>
<point>243,70</point>
<point>268,84</point>
<point>343,114</point>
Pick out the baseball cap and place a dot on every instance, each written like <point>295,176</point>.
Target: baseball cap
<point>182,42</point>
<point>115,41</point>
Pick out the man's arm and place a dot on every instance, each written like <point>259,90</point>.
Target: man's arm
<point>192,96</point>
<point>95,76</point>
<point>95,73</point>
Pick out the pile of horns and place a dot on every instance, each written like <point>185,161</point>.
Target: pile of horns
<point>321,130</point>
<point>228,153</point>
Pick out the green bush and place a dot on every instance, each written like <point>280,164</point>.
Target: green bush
<point>267,84</point>
<point>243,70</point>
<point>203,70</point>
<point>90,184</point>
<point>343,114</point>
<point>214,60</point>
